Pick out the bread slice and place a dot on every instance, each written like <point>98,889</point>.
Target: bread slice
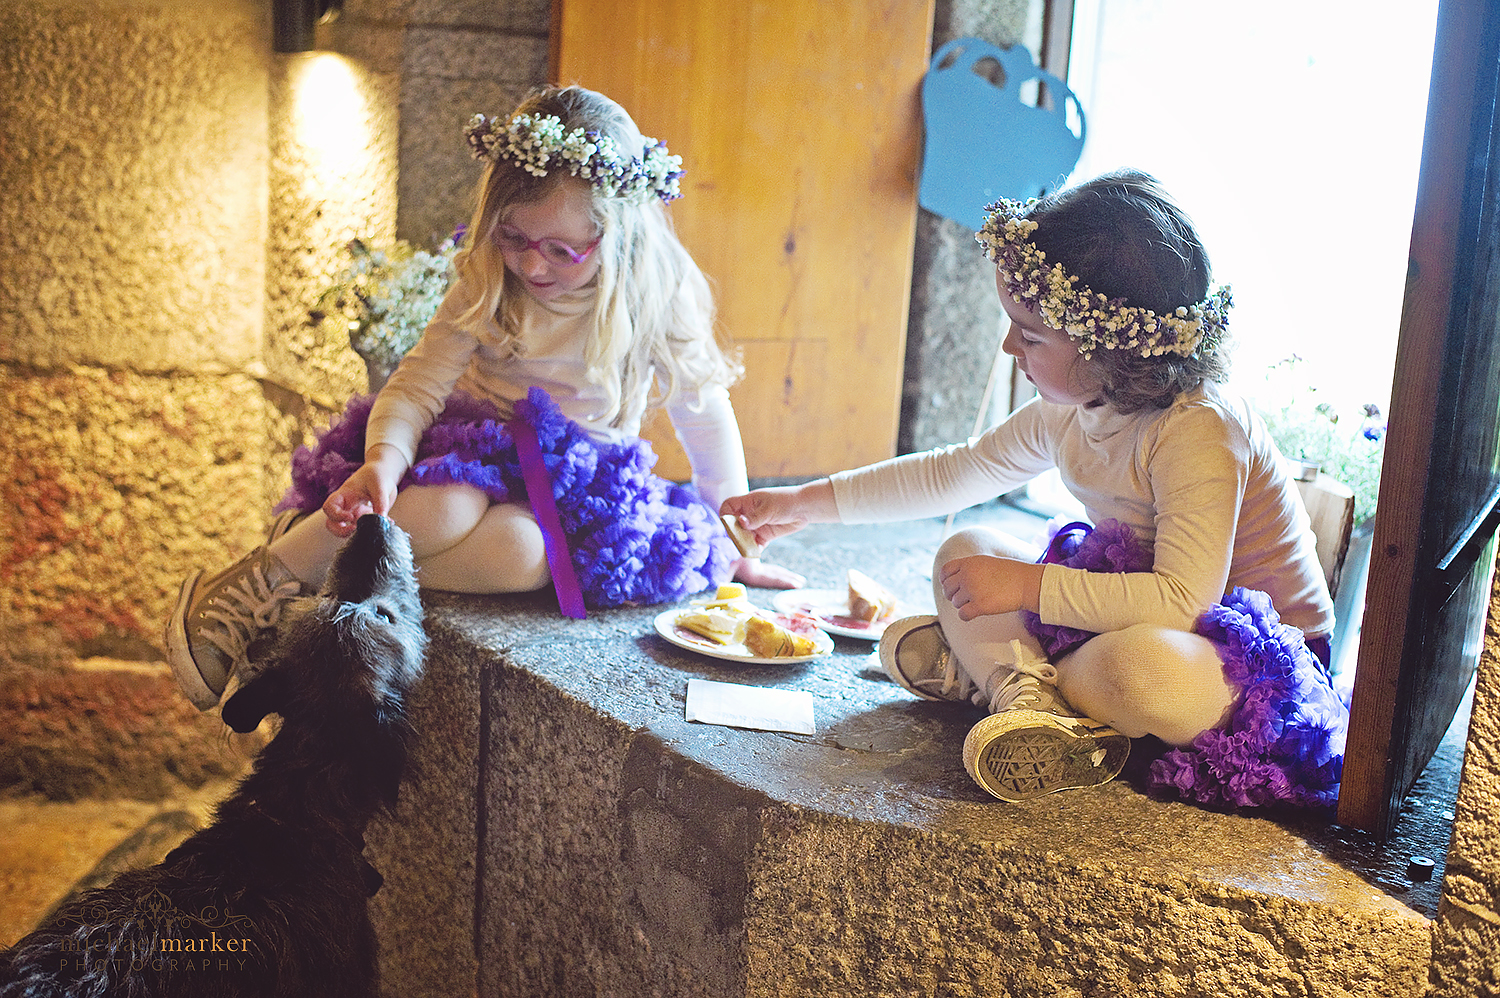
<point>721,619</point>
<point>768,639</point>
<point>868,599</point>
<point>743,539</point>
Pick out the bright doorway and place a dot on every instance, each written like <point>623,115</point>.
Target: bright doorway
<point>1291,131</point>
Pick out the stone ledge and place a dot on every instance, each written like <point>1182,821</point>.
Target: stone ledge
<point>570,833</point>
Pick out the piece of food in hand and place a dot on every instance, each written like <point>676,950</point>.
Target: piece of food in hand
<point>769,638</point>
<point>743,539</point>
<point>868,599</point>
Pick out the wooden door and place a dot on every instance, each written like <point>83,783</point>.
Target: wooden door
<point>1434,548</point>
<point>799,127</point>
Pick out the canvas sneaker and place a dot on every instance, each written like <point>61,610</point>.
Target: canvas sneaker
<point>282,523</point>
<point>916,657</point>
<point>1020,753</point>
<point>216,619</point>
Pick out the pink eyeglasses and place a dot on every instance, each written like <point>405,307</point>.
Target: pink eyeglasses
<point>554,251</point>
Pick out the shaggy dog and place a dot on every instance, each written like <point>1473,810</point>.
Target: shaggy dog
<point>272,897</point>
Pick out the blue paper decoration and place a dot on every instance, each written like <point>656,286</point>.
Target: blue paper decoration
<point>983,141</point>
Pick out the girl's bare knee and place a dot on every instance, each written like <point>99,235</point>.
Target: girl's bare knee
<point>518,540</point>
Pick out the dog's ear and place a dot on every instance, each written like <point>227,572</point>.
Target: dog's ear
<point>262,695</point>
<point>372,877</point>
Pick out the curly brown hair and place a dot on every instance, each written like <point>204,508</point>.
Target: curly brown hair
<point>1124,236</point>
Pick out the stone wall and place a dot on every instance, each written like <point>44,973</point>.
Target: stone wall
<point>955,321</point>
<point>177,197</point>
<point>132,290</point>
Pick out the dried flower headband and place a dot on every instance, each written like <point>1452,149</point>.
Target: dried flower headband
<point>1094,320</point>
<point>533,141</point>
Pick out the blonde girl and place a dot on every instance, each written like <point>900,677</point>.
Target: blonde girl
<point>506,442</point>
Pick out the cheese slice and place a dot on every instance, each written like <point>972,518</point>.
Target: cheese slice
<point>725,626</point>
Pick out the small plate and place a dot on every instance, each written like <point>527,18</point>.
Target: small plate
<point>666,626</point>
<point>830,607</point>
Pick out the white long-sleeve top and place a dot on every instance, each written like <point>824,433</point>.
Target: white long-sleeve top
<point>548,352</point>
<point>1202,482</point>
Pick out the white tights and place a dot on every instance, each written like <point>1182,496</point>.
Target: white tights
<point>1142,680</point>
<point>461,542</point>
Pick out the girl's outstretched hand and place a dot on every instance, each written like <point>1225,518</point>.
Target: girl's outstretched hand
<point>983,584</point>
<point>775,512</point>
<point>371,489</point>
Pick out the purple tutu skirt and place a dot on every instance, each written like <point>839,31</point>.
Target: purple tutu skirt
<point>1283,744</point>
<point>634,538</point>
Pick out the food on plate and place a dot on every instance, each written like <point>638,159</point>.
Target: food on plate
<point>869,600</point>
<point>730,619</point>
<point>743,539</point>
<point>723,626</point>
<point>776,638</point>
<point>723,618</point>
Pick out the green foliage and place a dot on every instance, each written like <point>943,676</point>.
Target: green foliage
<point>387,296</point>
<point>1348,445</point>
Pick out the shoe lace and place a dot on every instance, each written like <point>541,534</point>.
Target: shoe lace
<point>245,608</point>
<point>1030,681</point>
<point>953,684</point>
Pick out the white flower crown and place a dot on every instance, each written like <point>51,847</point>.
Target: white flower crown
<point>1096,321</point>
<point>533,141</point>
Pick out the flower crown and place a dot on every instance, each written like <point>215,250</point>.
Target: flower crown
<point>533,141</point>
<point>1096,321</point>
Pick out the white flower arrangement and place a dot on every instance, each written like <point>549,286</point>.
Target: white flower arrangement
<point>1094,320</point>
<point>1348,446</point>
<point>387,296</point>
<point>532,142</point>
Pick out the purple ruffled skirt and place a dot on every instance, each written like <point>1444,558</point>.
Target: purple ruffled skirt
<point>1283,743</point>
<point>634,538</point>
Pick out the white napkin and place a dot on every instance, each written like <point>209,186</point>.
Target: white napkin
<point>759,707</point>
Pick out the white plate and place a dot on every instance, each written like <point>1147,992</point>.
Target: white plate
<point>830,607</point>
<point>666,626</point>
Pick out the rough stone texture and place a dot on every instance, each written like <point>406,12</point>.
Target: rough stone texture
<point>625,851</point>
<point>176,198</point>
<point>132,232</point>
<point>954,333</point>
<point>955,320</point>
<point>449,75</point>
<point>333,128</point>
<point>436,827</point>
<point>1466,936</point>
<point>115,485</point>
<point>106,729</point>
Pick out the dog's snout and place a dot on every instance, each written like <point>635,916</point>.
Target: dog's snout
<point>376,558</point>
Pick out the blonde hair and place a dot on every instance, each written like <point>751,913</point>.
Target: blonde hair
<point>654,318</point>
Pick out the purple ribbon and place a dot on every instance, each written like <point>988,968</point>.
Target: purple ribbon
<point>544,505</point>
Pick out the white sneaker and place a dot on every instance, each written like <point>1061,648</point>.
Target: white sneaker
<point>916,656</point>
<point>1021,753</point>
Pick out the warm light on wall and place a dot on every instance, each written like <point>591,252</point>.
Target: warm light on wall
<point>330,119</point>
<point>293,22</point>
